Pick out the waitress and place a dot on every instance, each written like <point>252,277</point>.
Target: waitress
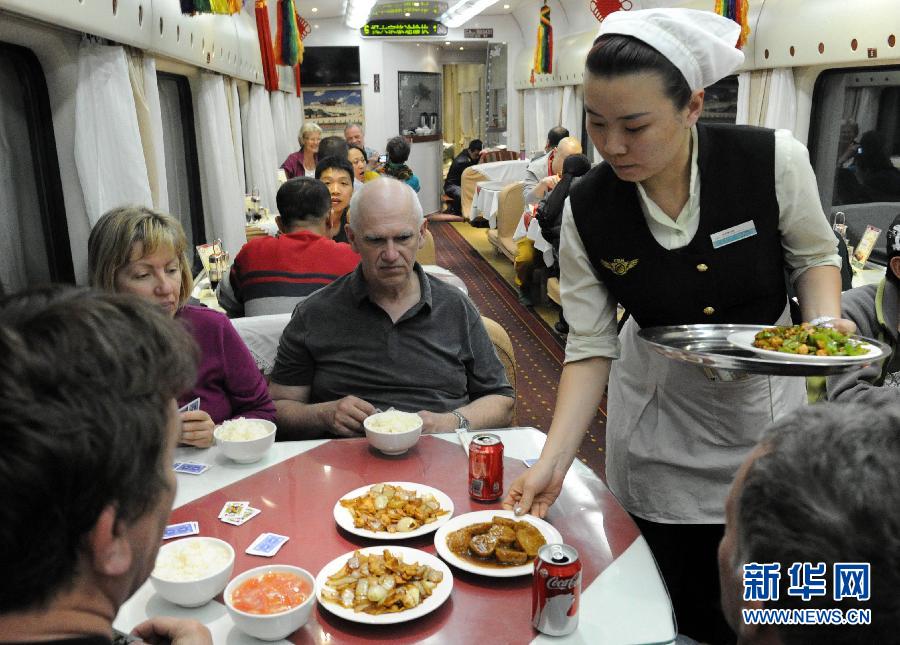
<point>653,228</point>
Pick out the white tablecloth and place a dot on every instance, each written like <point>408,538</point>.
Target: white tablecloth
<point>487,200</point>
<point>505,171</point>
<point>533,233</point>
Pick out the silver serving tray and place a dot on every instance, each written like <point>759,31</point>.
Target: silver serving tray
<point>707,346</point>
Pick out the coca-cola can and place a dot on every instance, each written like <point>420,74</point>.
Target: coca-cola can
<point>486,468</point>
<point>555,589</point>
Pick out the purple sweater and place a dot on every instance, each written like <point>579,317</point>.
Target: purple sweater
<point>228,382</point>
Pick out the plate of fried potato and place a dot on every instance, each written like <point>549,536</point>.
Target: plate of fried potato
<point>380,585</point>
<point>393,510</point>
<point>494,543</point>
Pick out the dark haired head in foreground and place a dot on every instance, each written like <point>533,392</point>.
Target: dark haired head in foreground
<point>87,407</point>
<point>821,487</point>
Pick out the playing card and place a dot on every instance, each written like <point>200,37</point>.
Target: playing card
<point>190,467</point>
<point>248,514</point>
<point>267,544</point>
<point>190,407</point>
<point>180,530</point>
<point>233,510</point>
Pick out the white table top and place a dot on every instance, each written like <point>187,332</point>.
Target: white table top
<point>626,603</point>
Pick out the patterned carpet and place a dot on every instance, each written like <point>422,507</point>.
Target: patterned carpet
<point>539,352</point>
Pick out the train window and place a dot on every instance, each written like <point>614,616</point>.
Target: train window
<point>720,101</point>
<point>182,168</point>
<point>34,246</point>
<point>855,147</point>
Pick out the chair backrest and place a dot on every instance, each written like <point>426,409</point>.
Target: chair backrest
<point>510,207</point>
<point>497,155</point>
<point>261,335</point>
<point>504,348</point>
<point>470,177</point>
<point>878,214</point>
<point>427,254</point>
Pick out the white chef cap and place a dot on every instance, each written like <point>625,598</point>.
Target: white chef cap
<point>701,44</point>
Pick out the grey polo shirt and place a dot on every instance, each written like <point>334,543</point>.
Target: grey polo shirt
<point>436,357</point>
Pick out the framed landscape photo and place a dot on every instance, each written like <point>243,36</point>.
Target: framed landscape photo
<point>333,108</point>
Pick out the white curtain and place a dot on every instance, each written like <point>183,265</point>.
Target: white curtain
<point>237,138</point>
<point>544,110</point>
<point>151,95</point>
<point>223,198</point>
<point>108,153</point>
<point>781,108</point>
<point>260,158</point>
<point>294,114</point>
<point>572,108</point>
<point>742,117</point>
<point>284,144</point>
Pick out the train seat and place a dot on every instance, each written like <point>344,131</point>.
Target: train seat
<point>504,348</point>
<point>553,290</point>
<point>858,216</point>
<point>427,254</point>
<point>509,212</point>
<point>470,177</point>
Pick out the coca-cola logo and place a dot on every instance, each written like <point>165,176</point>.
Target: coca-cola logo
<point>563,584</point>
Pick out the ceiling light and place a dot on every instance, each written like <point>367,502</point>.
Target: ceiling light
<point>407,14</point>
<point>506,6</point>
<point>463,11</point>
<point>461,48</point>
<point>315,9</point>
<point>356,12</point>
<point>315,26</point>
<point>446,42</point>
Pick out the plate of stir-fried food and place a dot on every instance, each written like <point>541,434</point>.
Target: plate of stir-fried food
<point>494,543</point>
<point>807,342</point>
<point>383,584</point>
<point>393,510</point>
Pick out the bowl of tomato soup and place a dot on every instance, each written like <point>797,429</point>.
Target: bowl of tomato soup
<point>272,601</point>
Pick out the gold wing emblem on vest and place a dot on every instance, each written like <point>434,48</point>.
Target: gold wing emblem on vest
<point>619,266</point>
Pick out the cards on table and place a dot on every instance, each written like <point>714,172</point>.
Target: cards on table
<point>180,530</point>
<point>190,407</point>
<point>267,545</point>
<point>237,513</point>
<point>190,467</point>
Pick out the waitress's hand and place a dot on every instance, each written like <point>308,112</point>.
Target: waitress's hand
<point>197,429</point>
<point>535,491</point>
<point>841,324</point>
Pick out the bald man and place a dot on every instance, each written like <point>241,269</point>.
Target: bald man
<point>543,173</point>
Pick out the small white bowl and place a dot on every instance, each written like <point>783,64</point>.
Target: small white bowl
<point>198,591</point>
<point>246,452</point>
<point>271,627</point>
<point>391,443</point>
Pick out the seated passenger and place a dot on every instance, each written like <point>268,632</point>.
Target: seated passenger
<point>303,162</point>
<point>353,133</point>
<point>357,158</point>
<point>387,335</point>
<point>270,275</point>
<point>820,488</point>
<point>337,175</point>
<point>554,136</point>
<point>543,173</point>
<point>453,182</point>
<point>398,150</point>
<point>87,407</point>
<point>133,249</point>
<point>875,308</point>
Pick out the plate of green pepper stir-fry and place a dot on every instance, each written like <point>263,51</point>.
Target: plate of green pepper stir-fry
<point>807,341</point>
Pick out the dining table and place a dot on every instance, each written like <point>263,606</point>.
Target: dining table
<point>297,484</point>
<point>487,200</point>
<point>530,228</point>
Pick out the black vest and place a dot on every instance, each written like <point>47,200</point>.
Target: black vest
<point>742,282</point>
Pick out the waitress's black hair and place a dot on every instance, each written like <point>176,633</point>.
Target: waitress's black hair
<point>618,55</point>
<point>573,166</point>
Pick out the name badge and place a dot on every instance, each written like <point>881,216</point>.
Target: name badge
<point>733,234</point>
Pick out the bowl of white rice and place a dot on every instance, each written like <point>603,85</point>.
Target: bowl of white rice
<point>192,571</point>
<point>245,440</point>
<point>393,432</point>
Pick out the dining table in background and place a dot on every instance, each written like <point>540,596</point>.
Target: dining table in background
<point>487,200</point>
<point>297,484</point>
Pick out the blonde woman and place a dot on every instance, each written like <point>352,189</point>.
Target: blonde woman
<point>303,162</point>
<point>137,250</point>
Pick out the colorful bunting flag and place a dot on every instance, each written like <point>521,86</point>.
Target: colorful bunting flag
<point>543,52</point>
<point>737,11</point>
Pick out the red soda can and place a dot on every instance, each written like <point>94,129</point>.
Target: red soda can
<point>555,589</point>
<point>486,467</point>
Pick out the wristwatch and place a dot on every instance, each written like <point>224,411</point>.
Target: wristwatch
<point>463,422</point>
